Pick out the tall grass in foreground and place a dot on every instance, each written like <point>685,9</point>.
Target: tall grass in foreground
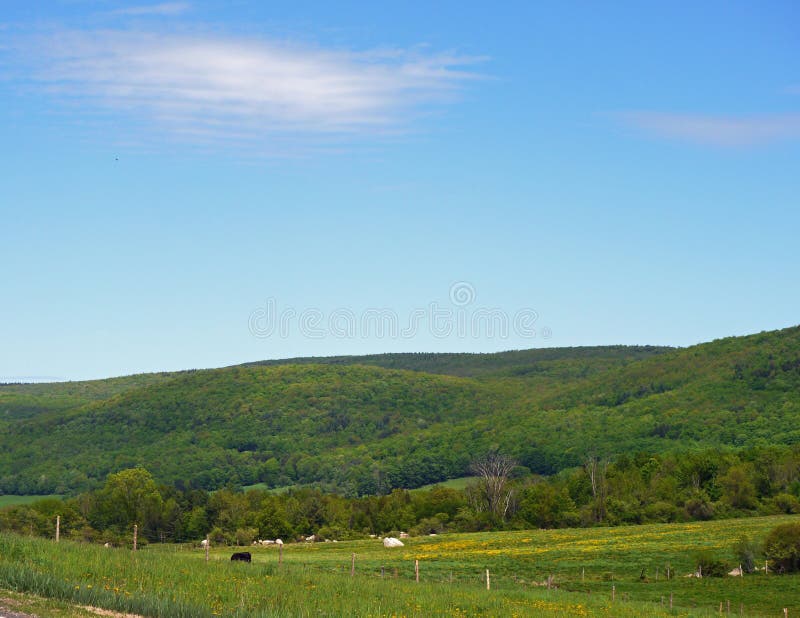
<point>177,584</point>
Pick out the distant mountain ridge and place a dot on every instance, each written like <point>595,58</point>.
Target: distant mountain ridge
<point>367,424</point>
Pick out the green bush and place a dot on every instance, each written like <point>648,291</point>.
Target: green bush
<point>710,566</point>
<point>245,536</point>
<point>785,503</point>
<point>782,547</point>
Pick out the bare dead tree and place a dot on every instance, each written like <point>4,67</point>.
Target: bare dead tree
<point>596,470</point>
<point>494,495</point>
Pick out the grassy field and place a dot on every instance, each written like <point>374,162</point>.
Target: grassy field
<point>9,500</point>
<point>459,483</point>
<point>314,579</point>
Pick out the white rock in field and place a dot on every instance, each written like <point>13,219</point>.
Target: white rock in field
<point>390,541</point>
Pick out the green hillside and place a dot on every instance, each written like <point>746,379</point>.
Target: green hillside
<point>27,400</point>
<point>555,363</point>
<point>363,425</point>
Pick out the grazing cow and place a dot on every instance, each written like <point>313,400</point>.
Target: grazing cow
<point>390,541</point>
<point>243,556</point>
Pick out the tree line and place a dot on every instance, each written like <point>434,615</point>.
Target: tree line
<point>503,495</point>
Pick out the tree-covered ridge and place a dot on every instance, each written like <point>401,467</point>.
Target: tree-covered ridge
<point>545,365</point>
<point>738,391</point>
<point>730,372</point>
<point>560,363</point>
<point>363,429</point>
<point>22,400</point>
<point>244,424</point>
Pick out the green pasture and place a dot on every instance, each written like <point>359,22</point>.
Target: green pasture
<point>584,566</point>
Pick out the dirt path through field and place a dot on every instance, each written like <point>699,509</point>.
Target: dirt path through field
<point>7,613</point>
<point>10,608</point>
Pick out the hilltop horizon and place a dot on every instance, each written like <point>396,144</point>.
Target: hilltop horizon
<point>322,357</point>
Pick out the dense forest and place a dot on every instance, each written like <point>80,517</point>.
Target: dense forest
<point>365,426</point>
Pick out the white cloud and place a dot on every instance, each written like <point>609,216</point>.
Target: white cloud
<point>717,130</point>
<point>165,8</point>
<point>212,86</point>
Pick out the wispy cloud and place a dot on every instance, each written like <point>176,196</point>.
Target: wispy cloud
<point>725,131</point>
<point>165,8</point>
<point>212,88</point>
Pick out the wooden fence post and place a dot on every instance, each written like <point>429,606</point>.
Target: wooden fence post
<point>58,528</point>
<point>280,554</point>
<point>613,592</point>
<point>670,600</point>
<point>353,566</point>
<point>416,570</point>
<point>135,535</point>
<point>208,542</point>
<point>583,573</point>
<point>383,571</point>
<point>488,581</point>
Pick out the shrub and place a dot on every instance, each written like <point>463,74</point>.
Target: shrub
<point>782,547</point>
<point>710,565</point>
<point>245,536</point>
<point>699,507</point>
<point>786,503</point>
<point>331,533</point>
<point>746,552</point>
<point>429,525</point>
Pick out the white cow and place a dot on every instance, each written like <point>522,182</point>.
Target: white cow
<point>390,541</point>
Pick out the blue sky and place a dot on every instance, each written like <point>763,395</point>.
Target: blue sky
<point>202,183</point>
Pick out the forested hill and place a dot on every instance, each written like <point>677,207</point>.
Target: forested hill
<point>352,424</point>
<point>560,363</point>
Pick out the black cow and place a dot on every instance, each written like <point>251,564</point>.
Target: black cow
<point>244,556</point>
